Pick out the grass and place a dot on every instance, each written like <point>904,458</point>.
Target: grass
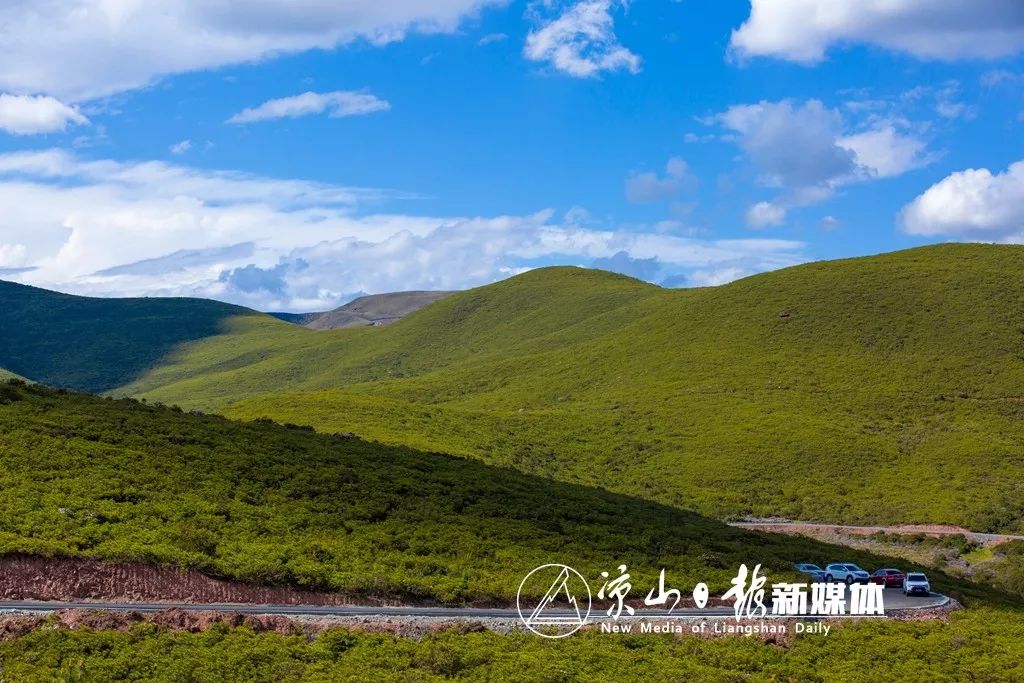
<point>124,481</point>
<point>984,645</point>
<point>873,390</point>
<point>979,555</point>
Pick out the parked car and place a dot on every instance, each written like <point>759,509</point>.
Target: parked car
<point>846,573</point>
<point>812,570</point>
<point>888,577</point>
<point>916,584</point>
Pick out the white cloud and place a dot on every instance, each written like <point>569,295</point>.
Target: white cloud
<point>12,255</point>
<point>152,228</point>
<point>944,98</point>
<point>792,145</point>
<point>765,214</point>
<point>693,138</point>
<point>804,30</point>
<point>82,49</point>
<point>884,152</point>
<point>642,188</point>
<point>492,38</point>
<point>338,104</point>
<point>997,77</point>
<point>581,42</point>
<point>807,150</point>
<point>972,204</point>
<point>830,223</point>
<point>181,147</point>
<point>718,276</point>
<point>28,115</point>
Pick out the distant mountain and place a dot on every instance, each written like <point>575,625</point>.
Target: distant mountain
<point>373,309</point>
<point>96,344</point>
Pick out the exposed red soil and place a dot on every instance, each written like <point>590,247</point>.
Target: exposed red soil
<point>25,577</point>
<point>30,577</point>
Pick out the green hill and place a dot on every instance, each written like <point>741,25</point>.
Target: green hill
<point>124,481</point>
<point>879,389</point>
<point>97,344</point>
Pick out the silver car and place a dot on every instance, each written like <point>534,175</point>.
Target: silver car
<point>916,583</point>
<point>847,573</point>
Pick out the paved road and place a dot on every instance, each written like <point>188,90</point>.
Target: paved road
<point>784,527</point>
<point>894,600</point>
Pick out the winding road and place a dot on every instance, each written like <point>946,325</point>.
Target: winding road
<point>810,527</point>
<point>894,600</point>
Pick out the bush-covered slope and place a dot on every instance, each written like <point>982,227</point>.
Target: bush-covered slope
<point>120,480</point>
<point>97,344</point>
<point>986,645</point>
<point>879,389</point>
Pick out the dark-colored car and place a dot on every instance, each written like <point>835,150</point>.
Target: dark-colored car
<point>816,573</point>
<point>888,577</point>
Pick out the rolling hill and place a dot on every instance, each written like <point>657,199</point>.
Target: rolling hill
<point>97,344</point>
<point>879,389</point>
<point>883,389</point>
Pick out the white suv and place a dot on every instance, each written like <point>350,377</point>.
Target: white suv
<point>845,572</point>
<point>916,583</point>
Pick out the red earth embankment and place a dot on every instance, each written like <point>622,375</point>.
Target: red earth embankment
<point>26,577</point>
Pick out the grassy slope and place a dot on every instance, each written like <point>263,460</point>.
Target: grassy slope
<point>890,393</point>
<point>121,480</point>
<point>97,344</point>
<point>983,645</point>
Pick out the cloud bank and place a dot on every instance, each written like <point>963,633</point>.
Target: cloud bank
<point>804,30</point>
<point>82,49</point>
<point>151,228</point>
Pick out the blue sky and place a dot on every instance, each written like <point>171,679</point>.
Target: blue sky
<point>294,155</point>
